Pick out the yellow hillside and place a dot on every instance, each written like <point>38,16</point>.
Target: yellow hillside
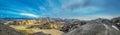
<point>23,29</point>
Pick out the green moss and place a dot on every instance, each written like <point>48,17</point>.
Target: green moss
<point>24,31</point>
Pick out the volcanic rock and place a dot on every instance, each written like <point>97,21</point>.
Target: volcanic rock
<point>94,29</point>
<point>6,30</point>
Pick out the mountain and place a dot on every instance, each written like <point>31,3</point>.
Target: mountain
<point>6,30</point>
<point>94,29</point>
<point>116,21</point>
<point>98,26</point>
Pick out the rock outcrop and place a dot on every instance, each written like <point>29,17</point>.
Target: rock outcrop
<point>116,21</point>
<point>6,30</point>
<point>40,33</point>
<point>94,29</point>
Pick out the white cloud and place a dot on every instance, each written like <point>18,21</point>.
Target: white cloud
<point>92,17</point>
<point>30,15</point>
<point>70,4</point>
<point>89,9</point>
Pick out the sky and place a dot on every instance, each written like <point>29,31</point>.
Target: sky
<point>72,9</point>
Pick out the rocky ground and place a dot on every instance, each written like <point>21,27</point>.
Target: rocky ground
<point>94,29</point>
<point>6,30</point>
<point>98,27</point>
<point>73,27</point>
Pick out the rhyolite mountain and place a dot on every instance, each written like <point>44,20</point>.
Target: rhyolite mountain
<point>6,30</point>
<point>98,26</point>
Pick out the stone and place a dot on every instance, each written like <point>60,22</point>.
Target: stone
<point>94,29</point>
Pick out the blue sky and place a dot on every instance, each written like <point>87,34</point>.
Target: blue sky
<point>77,9</point>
